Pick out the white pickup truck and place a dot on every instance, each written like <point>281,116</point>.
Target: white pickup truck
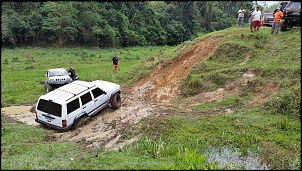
<point>67,106</point>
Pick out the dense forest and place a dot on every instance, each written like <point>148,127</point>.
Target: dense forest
<point>113,24</point>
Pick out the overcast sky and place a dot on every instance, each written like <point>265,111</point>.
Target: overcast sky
<point>269,3</point>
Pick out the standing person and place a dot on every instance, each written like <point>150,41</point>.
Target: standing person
<point>280,6</point>
<point>250,21</point>
<point>276,24</point>
<point>115,63</point>
<point>240,17</point>
<point>72,73</point>
<point>256,16</point>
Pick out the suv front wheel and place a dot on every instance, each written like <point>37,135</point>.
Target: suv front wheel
<point>283,25</point>
<point>116,101</point>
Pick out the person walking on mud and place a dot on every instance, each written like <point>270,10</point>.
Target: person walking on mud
<point>115,63</point>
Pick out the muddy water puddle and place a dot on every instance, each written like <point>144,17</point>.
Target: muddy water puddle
<point>233,158</point>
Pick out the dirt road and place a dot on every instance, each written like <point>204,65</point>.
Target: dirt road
<point>146,98</point>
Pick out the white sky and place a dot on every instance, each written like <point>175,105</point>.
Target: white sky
<point>269,3</point>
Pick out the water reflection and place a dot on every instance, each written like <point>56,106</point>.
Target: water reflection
<point>232,158</point>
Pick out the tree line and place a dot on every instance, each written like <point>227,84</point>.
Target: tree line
<point>113,24</point>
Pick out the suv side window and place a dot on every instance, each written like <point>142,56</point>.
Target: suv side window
<point>73,105</point>
<point>86,98</point>
<point>97,92</point>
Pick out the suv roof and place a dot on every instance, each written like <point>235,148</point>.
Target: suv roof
<point>64,93</point>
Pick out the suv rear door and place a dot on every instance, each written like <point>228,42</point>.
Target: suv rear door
<point>73,110</point>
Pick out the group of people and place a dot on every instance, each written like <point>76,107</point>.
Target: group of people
<point>254,20</point>
<point>255,17</point>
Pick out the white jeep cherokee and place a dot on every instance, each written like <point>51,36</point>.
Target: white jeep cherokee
<point>56,78</point>
<point>67,106</point>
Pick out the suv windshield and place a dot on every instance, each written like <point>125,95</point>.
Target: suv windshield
<point>294,6</point>
<point>57,73</point>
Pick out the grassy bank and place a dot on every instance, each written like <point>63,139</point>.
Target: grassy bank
<point>182,140</point>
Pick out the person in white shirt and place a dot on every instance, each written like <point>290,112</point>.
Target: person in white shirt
<point>256,17</point>
<point>240,17</point>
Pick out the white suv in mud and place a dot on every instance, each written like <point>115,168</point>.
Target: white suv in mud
<point>56,78</point>
<point>67,106</point>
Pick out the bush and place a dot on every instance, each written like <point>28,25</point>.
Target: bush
<point>286,102</point>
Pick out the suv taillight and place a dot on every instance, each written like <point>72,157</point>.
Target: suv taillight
<point>64,123</point>
<point>36,114</point>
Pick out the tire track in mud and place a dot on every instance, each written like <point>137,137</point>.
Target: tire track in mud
<point>146,98</point>
<point>163,84</point>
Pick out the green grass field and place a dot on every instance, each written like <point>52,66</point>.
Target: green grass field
<point>23,70</point>
<point>180,140</point>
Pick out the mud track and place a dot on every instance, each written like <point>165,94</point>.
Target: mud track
<point>146,98</point>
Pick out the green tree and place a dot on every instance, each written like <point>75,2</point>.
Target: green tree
<point>60,22</point>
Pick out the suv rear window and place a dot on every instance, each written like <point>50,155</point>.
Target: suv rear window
<point>50,107</point>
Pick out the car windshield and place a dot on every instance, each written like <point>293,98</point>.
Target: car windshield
<point>57,73</point>
<point>269,16</point>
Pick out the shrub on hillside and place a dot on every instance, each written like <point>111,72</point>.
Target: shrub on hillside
<point>287,102</point>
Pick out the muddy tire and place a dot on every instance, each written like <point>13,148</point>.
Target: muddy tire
<point>283,25</point>
<point>47,87</point>
<point>81,122</point>
<point>116,101</point>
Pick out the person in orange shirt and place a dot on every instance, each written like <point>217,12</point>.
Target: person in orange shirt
<point>277,17</point>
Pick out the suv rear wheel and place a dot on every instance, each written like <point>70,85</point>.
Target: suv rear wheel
<point>81,121</point>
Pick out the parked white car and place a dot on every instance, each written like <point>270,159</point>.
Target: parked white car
<point>66,106</point>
